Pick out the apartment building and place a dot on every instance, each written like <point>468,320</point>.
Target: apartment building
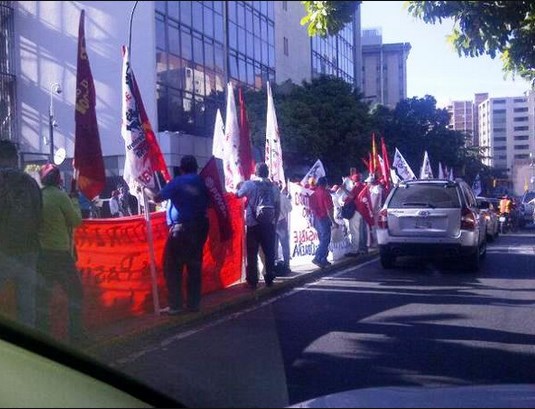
<point>464,117</point>
<point>507,132</point>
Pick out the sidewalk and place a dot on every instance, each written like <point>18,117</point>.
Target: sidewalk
<point>227,300</point>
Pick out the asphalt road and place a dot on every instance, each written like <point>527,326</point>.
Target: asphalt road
<point>423,323</point>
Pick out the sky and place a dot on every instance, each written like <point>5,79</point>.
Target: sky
<point>433,67</point>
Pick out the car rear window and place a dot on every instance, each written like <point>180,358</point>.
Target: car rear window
<point>431,196</point>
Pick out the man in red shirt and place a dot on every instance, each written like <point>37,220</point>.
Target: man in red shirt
<point>357,226</point>
<point>322,208</point>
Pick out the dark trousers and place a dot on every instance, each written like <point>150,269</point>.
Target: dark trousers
<point>59,267</point>
<point>184,248</point>
<point>260,235</point>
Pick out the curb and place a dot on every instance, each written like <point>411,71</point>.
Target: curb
<point>161,324</point>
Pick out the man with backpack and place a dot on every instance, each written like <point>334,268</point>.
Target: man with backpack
<point>261,213</point>
<point>21,209</point>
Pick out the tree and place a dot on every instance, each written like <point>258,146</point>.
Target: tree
<point>416,126</point>
<point>326,18</point>
<point>487,27</point>
<point>324,119</point>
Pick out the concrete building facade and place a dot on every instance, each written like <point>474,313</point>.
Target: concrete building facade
<point>183,53</point>
<point>384,69</point>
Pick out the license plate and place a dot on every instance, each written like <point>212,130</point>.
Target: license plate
<point>423,224</point>
<point>502,219</point>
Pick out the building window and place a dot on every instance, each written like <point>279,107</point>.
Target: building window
<point>520,119</point>
<point>521,137</point>
<point>7,72</point>
<point>521,147</point>
<point>498,101</point>
<point>522,156</point>
<point>522,109</point>
<point>500,148</point>
<point>520,100</point>
<point>286,52</point>
<point>500,139</point>
<point>498,111</point>
<point>521,128</point>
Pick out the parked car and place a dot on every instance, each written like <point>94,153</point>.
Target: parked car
<point>527,207</point>
<point>432,217</point>
<point>491,214</point>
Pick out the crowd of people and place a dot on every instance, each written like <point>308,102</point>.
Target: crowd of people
<point>37,243</point>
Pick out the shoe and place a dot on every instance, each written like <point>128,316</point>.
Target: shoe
<point>327,263</point>
<point>317,263</point>
<point>252,286</point>
<point>170,311</point>
<point>269,281</point>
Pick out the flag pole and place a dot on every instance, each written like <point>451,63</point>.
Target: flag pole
<point>130,28</point>
<point>150,239</point>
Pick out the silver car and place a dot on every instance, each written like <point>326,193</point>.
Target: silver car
<point>432,217</point>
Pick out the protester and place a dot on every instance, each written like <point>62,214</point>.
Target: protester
<point>115,207</point>
<point>188,232</point>
<point>260,191</point>
<point>322,208</point>
<point>283,235</point>
<point>376,197</point>
<point>357,226</point>
<point>128,204</point>
<point>20,220</point>
<point>85,206</point>
<point>61,214</point>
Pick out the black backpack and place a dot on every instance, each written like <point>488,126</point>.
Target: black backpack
<point>348,210</point>
<point>21,210</point>
<point>264,208</point>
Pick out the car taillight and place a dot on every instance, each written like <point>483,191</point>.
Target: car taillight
<point>468,219</point>
<point>382,221</point>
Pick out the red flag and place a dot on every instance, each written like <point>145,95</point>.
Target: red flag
<point>386,161</point>
<point>375,161</point>
<point>88,163</point>
<point>245,151</point>
<point>212,180</point>
<point>143,154</point>
<point>364,205</point>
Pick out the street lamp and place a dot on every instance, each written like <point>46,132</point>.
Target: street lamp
<point>55,88</point>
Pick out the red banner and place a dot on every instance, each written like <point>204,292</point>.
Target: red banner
<point>88,161</point>
<point>364,205</point>
<point>113,261</point>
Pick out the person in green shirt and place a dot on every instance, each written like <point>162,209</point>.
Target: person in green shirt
<point>61,214</point>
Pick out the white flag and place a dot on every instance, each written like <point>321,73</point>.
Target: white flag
<point>273,143</point>
<point>231,159</point>
<point>476,186</point>
<point>316,171</point>
<point>440,171</point>
<point>426,172</point>
<point>218,143</point>
<point>401,167</point>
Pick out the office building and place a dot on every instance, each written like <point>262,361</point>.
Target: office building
<point>183,53</point>
<point>384,69</point>
<point>507,132</point>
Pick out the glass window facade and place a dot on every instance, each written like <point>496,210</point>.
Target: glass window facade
<point>7,72</point>
<point>334,55</point>
<point>196,55</point>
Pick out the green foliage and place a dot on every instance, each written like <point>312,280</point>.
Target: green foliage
<point>322,119</point>
<point>487,27</point>
<point>326,18</point>
<point>416,126</point>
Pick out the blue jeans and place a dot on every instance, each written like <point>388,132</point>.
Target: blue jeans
<point>323,227</point>
<point>22,269</point>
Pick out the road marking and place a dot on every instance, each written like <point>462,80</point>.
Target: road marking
<point>168,341</point>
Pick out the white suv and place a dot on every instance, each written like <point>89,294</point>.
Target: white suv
<point>432,217</point>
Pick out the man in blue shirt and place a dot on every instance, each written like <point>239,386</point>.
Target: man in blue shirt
<point>188,231</point>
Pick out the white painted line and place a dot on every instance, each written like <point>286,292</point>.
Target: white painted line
<point>166,342</point>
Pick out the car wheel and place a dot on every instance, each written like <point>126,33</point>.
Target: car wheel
<point>473,261</point>
<point>387,259</point>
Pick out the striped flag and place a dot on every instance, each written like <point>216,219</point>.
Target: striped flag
<point>231,157</point>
